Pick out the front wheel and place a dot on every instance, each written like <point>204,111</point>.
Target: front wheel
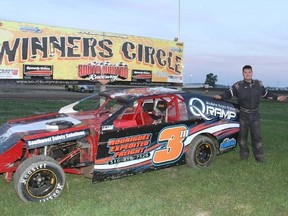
<point>39,179</point>
<point>201,152</point>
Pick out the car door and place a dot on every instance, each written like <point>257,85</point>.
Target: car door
<point>139,146</point>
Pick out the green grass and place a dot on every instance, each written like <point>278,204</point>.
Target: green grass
<point>229,187</point>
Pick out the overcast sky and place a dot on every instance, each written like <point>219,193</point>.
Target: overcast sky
<point>219,36</point>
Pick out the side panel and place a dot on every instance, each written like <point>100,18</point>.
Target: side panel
<point>137,150</point>
<point>126,152</point>
<point>10,156</point>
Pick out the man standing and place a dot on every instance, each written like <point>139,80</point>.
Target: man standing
<point>249,91</point>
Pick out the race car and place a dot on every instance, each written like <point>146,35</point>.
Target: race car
<point>127,132</point>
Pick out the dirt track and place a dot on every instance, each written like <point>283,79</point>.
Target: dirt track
<point>19,92</point>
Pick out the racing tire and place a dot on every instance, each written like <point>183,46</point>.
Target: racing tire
<point>201,152</point>
<point>39,179</point>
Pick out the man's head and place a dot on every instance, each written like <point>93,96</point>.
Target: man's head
<point>247,73</point>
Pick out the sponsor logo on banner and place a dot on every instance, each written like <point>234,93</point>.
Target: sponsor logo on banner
<point>103,72</point>
<point>142,75</point>
<point>38,71</point>
<point>9,73</point>
<point>175,79</point>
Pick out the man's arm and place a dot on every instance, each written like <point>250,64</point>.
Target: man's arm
<point>226,95</point>
<point>268,95</point>
<point>281,98</point>
<point>217,97</point>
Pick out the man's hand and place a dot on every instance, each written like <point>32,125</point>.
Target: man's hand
<point>217,97</point>
<point>281,98</point>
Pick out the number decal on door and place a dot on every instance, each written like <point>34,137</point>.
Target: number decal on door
<point>174,137</point>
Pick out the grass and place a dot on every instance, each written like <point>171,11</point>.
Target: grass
<point>228,187</point>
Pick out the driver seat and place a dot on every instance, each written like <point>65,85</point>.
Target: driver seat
<point>157,111</point>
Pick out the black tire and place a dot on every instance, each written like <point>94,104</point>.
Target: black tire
<point>201,152</point>
<point>39,179</point>
<point>67,88</point>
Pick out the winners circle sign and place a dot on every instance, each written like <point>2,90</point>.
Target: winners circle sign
<point>60,55</point>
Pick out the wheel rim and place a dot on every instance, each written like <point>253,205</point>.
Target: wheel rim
<point>42,183</point>
<point>203,153</point>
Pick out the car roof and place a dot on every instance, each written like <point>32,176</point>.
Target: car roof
<point>134,93</point>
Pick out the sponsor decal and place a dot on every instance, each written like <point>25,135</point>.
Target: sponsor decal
<point>104,79</point>
<point>175,79</point>
<point>208,110</point>
<point>128,146</point>
<point>38,71</point>
<point>103,72</point>
<point>142,75</point>
<point>107,127</point>
<point>227,143</point>
<point>57,138</point>
<point>9,73</point>
<point>129,158</point>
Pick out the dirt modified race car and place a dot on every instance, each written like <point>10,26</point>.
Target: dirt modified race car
<point>131,131</point>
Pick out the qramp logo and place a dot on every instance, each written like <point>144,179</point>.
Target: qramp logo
<point>208,110</point>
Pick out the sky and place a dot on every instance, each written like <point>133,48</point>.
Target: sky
<point>220,37</point>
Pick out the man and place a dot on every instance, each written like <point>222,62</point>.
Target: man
<point>249,91</point>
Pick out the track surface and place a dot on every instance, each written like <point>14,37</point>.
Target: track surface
<point>22,92</point>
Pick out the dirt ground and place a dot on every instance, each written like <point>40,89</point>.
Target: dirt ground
<point>44,92</point>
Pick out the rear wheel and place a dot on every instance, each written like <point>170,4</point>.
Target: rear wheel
<point>201,152</point>
<point>39,179</point>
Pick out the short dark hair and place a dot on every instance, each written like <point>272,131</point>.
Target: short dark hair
<point>249,67</point>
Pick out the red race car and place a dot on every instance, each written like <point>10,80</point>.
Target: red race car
<point>131,131</point>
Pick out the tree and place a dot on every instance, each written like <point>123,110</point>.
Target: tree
<point>211,79</point>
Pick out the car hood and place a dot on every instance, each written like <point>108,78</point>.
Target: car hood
<point>55,125</point>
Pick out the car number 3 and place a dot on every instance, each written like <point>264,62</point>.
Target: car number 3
<point>174,137</point>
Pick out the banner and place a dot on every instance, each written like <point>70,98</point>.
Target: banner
<point>32,53</point>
